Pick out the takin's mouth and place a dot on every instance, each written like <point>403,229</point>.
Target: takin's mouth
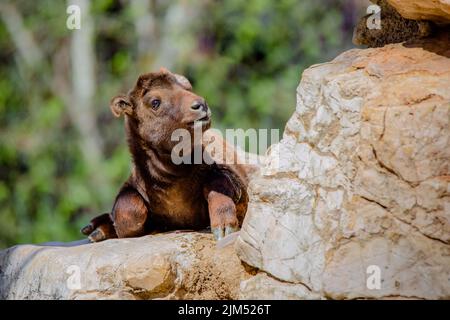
<point>204,121</point>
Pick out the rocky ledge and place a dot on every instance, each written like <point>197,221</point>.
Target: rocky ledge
<point>166,266</point>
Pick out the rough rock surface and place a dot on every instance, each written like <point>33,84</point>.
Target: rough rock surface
<point>165,266</point>
<point>360,178</point>
<point>433,10</point>
<point>265,287</point>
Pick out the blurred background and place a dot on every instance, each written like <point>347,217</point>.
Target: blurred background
<point>63,155</point>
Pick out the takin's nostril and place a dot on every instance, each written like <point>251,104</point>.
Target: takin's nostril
<point>198,106</point>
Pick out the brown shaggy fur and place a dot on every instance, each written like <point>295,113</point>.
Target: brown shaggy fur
<point>160,195</point>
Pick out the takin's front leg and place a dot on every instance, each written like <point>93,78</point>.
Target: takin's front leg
<point>222,214</point>
<point>127,219</point>
<point>129,214</point>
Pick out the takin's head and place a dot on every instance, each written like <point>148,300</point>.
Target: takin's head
<point>160,103</point>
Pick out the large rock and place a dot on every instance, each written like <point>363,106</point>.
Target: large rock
<point>166,266</point>
<point>359,186</point>
<point>433,10</point>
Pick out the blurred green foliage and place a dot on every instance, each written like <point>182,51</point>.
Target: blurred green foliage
<point>245,57</point>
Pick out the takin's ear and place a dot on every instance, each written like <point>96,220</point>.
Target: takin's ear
<point>120,105</point>
<point>182,80</point>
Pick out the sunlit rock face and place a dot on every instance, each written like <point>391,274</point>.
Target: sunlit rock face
<point>359,186</point>
<point>434,10</point>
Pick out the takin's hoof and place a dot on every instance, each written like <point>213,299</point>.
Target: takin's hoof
<point>97,235</point>
<point>87,230</point>
<point>100,233</point>
<point>221,232</point>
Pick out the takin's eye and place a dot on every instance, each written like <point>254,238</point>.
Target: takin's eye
<point>155,103</point>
